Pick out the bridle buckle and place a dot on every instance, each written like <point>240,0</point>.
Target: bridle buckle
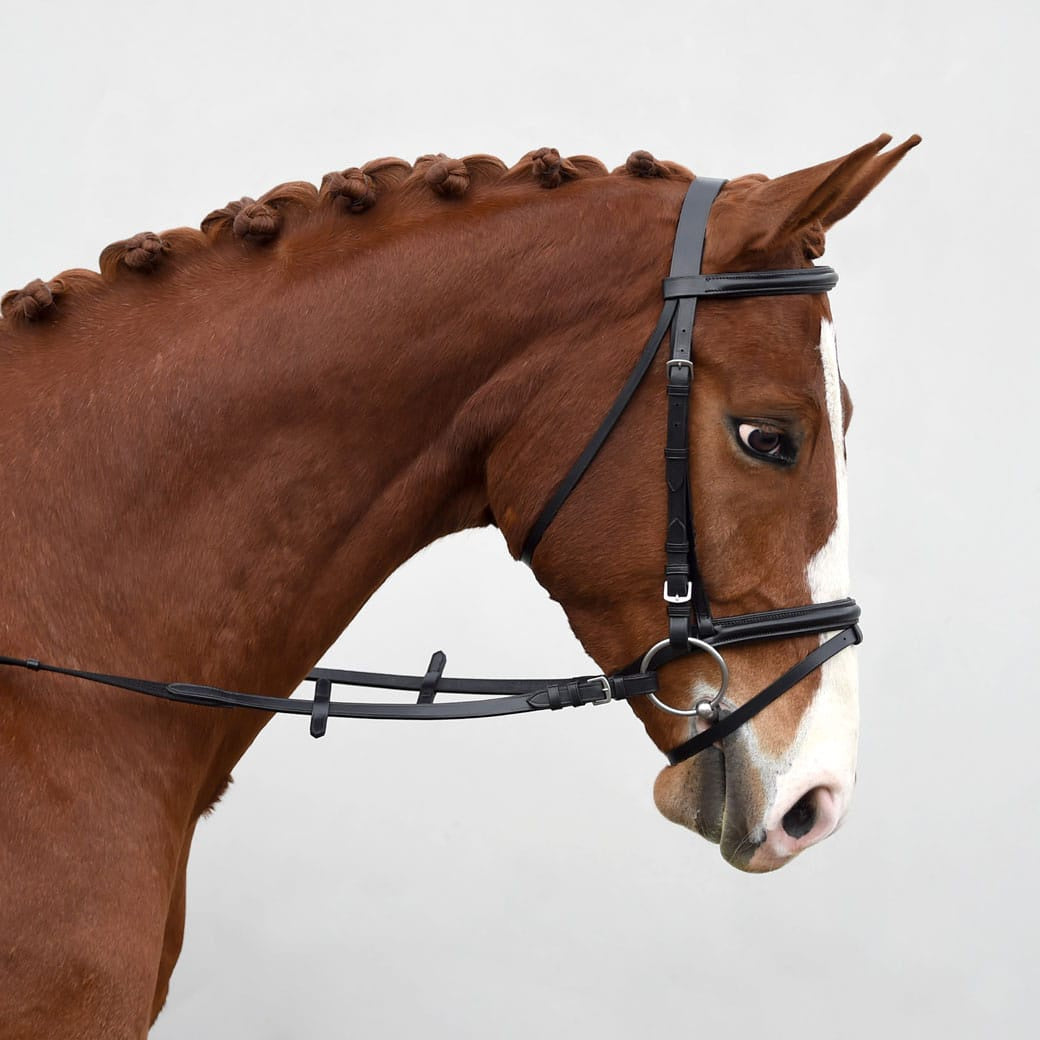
<point>684,597</point>
<point>608,691</point>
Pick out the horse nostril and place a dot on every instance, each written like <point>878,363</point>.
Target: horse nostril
<point>801,817</point>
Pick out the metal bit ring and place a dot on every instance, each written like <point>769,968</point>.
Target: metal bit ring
<point>707,707</point>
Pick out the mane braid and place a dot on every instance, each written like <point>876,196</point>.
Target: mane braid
<point>254,224</point>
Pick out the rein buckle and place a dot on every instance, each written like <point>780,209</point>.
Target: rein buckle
<point>608,691</point>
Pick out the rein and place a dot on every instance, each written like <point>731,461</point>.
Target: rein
<point>690,624</point>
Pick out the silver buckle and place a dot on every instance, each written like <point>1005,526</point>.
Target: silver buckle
<point>684,598</point>
<point>608,692</point>
<point>679,361</point>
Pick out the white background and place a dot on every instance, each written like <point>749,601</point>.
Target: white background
<point>511,878</point>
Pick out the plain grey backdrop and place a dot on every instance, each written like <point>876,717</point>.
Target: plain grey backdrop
<point>512,878</point>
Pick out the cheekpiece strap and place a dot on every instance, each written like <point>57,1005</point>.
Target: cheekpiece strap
<point>684,596</point>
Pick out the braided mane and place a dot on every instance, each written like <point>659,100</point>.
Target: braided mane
<point>252,224</point>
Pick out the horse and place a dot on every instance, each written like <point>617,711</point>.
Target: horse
<point>217,448</point>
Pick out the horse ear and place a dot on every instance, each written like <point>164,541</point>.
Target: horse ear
<point>770,212</point>
<point>869,178</point>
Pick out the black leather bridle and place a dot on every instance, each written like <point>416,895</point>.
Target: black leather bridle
<point>690,624</point>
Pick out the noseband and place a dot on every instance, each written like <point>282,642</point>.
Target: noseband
<point>691,627</point>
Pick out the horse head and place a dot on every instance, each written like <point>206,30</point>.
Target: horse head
<point>767,473</point>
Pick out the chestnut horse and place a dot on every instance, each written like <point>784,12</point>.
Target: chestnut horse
<point>216,450</point>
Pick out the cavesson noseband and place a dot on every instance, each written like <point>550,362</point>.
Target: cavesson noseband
<point>690,624</point>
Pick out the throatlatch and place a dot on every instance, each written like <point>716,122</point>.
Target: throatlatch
<point>690,627</point>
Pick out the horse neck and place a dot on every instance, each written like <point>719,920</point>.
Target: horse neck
<point>212,481</point>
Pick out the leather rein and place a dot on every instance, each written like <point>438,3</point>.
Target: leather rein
<point>690,624</point>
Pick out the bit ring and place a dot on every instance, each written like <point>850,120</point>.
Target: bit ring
<point>705,708</point>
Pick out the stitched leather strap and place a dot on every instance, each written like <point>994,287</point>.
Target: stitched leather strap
<point>811,619</point>
<point>792,282</point>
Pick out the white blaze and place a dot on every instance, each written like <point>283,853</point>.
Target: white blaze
<point>828,570</point>
<point>824,750</point>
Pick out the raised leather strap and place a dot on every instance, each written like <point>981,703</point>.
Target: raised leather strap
<point>812,619</point>
<point>791,282</point>
<point>735,719</point>
<point>786,622</point>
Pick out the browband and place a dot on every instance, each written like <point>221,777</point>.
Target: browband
<point>794,282</point>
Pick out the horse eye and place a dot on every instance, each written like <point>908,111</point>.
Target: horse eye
<point>765,441</point>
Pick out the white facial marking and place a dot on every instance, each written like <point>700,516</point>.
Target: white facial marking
<point>824,750</point>
<point>828,570</point>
